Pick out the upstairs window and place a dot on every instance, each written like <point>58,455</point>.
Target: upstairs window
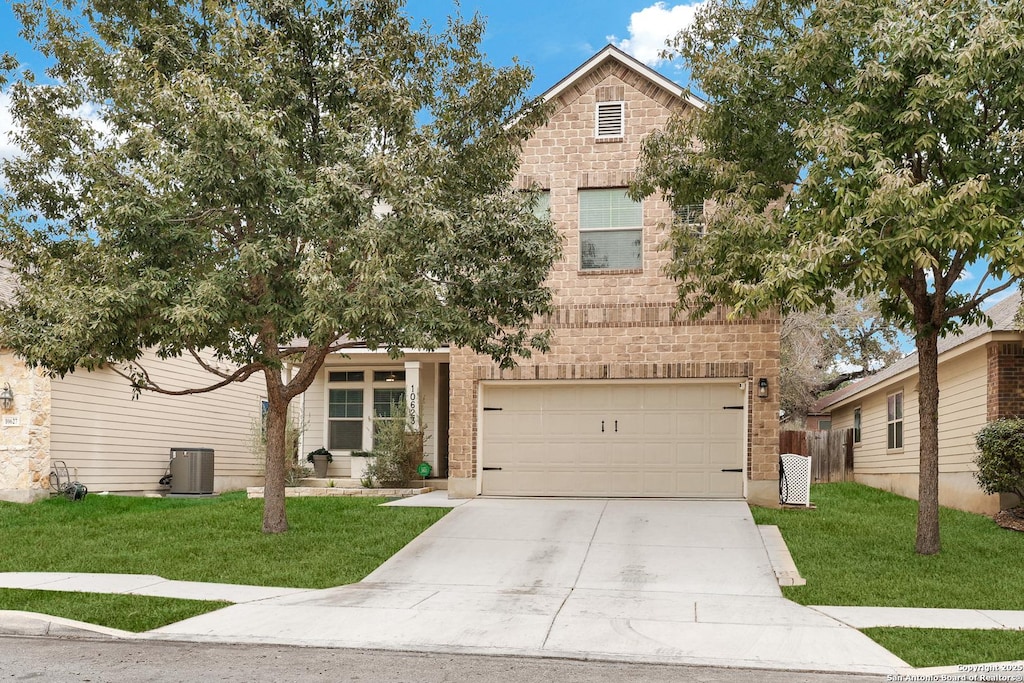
<point>610,120</point>
<point>691,217</point>
<point>611,230</point>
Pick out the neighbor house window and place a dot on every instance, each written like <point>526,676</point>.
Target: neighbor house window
<point>611,230</point>
<point>856,425</point>
<point>824,424</point>
<point>345,419</point>
<point>894,421</point>
<point>610,120</point>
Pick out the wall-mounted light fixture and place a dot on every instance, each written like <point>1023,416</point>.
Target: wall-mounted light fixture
<point>762,387</point>
<point>6,396</point>
<point>392,377</point>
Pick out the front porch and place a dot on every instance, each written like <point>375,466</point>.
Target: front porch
<point>355,391</point>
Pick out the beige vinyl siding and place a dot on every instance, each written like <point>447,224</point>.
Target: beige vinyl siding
<point>963,403</point>
<point>962,412</point>
<point>113,442</point>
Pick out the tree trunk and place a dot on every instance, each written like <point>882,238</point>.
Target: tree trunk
<point>928,422</point>
<point>274,519</point>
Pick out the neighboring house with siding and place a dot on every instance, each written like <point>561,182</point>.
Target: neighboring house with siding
<point>631,400</point>
<point>981,378</point>
<point>110,441</point>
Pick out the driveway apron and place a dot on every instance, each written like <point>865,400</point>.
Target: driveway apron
<point>638,580</point>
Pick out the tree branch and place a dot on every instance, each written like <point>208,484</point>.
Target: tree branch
<point>976,300</point>
<point>148,384</point>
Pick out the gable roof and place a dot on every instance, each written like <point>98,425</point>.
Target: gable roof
<point>1002,315</point>
<point>610,52</point>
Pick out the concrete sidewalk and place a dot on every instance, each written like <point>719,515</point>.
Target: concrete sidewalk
<point>142,584</point>
<point>684,582</point>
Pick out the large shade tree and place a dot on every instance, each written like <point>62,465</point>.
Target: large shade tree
<point>821,350</point>
<point>869,145</point>
<point>255,184</point>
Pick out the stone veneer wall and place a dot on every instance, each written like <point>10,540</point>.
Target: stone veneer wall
<point>25,448</point>
<point>1005,379</point>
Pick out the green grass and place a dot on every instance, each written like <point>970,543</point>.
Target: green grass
<point>135,613</point>
<point>332,541</point>
<point>923,647</point>
<point>857,548</point>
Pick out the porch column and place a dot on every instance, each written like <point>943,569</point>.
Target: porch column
<point>412,392</point>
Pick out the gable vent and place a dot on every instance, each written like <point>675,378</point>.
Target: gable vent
<point>611,120</point>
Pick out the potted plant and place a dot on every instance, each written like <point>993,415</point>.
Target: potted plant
<point>320,457</point>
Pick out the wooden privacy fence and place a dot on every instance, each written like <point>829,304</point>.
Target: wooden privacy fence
<point>831,451</point>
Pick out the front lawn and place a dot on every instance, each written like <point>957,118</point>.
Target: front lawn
<point>857,548</point>
<point>332,541</point>
<point>923,647</point>
<point>135,613</point>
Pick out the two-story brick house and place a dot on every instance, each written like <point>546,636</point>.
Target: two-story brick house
<point>631,400</point>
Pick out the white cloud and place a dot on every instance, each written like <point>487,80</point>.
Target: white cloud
<point>7,147</point>
<point>651,27</point>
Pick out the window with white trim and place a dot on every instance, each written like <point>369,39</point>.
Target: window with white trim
<point>691,217</point>
<point>356,401</point>
<point>894,421</point>
<point>610,120</point>
<point>345,419</point>
<point>611,230</point>
<point>856,425</point>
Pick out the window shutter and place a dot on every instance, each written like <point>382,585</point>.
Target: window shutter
<point>611,119</point>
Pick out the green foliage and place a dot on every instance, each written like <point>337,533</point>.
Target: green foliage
<point>869,147</point>
<point>891,131</point>
<point>856,549</point>
<point>320,451</point>
<point>398,449</point>
<point>214,539</point>
<point>1000,459</point>
<point>236,176</point>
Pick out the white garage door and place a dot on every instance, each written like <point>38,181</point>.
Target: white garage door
<point>606,439</point>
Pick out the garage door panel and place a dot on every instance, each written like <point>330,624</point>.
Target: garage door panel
<point>657,454</point>
<point>659,440</point>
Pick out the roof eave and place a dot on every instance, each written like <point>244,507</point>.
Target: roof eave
<point>610,51</point>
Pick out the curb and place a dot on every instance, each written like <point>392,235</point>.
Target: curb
<point>16,623</point>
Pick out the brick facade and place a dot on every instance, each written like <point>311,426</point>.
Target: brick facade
<point>618,324</point>
<point>1005,379</point>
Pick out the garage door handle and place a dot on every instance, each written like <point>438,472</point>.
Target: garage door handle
<point>486,408</point>
<point>723,408</point>
<point>492,469</point>
<point>738,469</point>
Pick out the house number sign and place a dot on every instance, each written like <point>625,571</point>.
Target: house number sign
<point>413,407</point>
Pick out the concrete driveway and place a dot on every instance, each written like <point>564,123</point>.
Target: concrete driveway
<point>638,580</point>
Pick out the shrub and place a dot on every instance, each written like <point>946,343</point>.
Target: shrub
<point>398,447</point>
<point>1001,458</point>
